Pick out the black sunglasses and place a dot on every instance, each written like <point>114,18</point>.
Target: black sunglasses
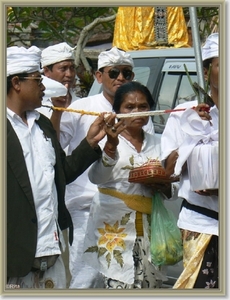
<point>114,73</point>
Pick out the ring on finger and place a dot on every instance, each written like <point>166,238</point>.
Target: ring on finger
<point>113,129</point>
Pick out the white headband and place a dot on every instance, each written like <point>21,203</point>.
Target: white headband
<point>114,57</point>
<point>211,47</point>
<point>57,53</point>
<point>22,60</point>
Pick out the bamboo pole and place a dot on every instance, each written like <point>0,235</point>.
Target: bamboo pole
<point>119,116</point>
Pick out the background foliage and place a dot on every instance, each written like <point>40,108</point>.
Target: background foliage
<point>46,25</point>
<point>81,26</point>
<point>49,24</point>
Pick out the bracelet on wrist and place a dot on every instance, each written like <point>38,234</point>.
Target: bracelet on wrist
<point>106,148</point>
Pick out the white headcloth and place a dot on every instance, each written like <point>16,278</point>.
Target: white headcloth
<point>211,47</point>
<point>56,53</point>
<point>22,60</point>
<point>114,57</point>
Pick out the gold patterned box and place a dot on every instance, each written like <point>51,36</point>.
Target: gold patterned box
<point>150,172</point>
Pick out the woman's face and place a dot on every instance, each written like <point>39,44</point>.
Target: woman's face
<point>135,102</point>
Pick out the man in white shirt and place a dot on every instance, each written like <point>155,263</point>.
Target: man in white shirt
<point>114,69</point>
<point>198,219</point>
<point>37,173</point>
<point>58,64</point>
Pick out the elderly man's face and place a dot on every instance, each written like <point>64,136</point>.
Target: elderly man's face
<point>112,78</point>
<point>63,72</point>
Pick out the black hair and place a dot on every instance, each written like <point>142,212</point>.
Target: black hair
<point>50,67</point>
<point>207,62</point>
<point>9,79</point>
<point>129,87</point>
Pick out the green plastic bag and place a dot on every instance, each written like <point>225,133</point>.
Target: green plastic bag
<point>166,241</point>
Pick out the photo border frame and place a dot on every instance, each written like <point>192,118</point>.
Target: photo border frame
<point>222,156</point>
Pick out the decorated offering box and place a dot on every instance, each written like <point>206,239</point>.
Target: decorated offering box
<point>150,172</point>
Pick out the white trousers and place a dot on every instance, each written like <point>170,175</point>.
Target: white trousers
<point>83,276</point>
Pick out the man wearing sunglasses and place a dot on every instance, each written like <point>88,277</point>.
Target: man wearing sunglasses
<point>115,67</point>
<point>37,173</point>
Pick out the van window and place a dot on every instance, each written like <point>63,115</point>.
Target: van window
<point>174,89</point>
<point>141,74</point>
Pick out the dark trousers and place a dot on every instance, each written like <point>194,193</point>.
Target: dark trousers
<point>208,275</point>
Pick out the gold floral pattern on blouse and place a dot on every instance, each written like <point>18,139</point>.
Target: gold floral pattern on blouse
<point>111,241</point>
<point>112,236</point>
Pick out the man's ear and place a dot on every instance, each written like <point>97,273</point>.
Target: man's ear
<point>98,76</point>
<point>16,83</point>
<point>46,71</point>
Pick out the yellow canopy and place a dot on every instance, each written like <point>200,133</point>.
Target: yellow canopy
<point>138,28</point>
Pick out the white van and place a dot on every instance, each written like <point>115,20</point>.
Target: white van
<point>163,72</point>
